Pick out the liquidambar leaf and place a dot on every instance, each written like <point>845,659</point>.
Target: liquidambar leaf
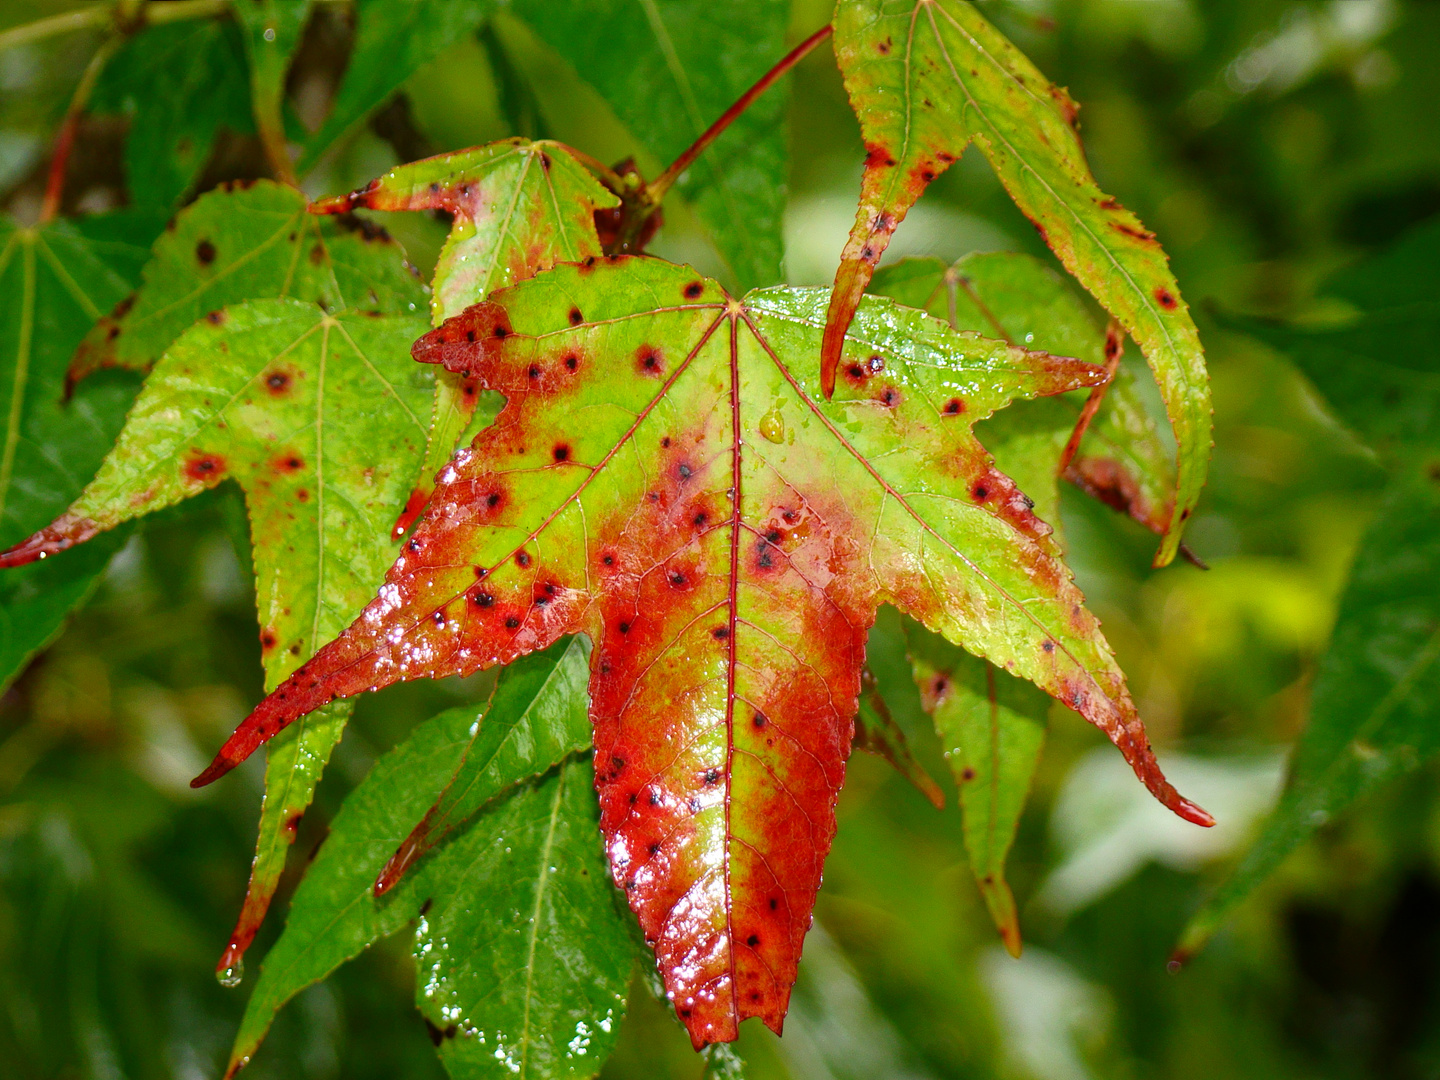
<point>248,242</point>
<point>1373,715</point>
<point>537,717</point>
<point>1122,460</point>
<point>876,732</point>
<point>516,208</point>
<point>664,481</point>
<point>991,728</point>
<point>926,77</point>
<point>318,417</point>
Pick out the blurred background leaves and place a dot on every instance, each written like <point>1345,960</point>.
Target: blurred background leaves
<point>1276,147</point>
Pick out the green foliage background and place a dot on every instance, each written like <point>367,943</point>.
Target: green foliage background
<point>1270,144</point>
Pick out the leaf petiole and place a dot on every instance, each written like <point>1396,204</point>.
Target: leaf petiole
<point>662,183</point>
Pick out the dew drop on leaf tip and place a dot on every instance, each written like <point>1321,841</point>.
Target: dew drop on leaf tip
<point>232,975</point>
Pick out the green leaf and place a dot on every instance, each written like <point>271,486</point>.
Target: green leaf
<point>684,62</point>
<point>991,727</point>
<point>319,419</point>
<point>665,479</point>
<point>178,85</point>
<point>246,242</point>
<point>1378,366</point>
<point>1122,460</point>
<point>539,987</point>
<point>876,732</point>
<point>1373,715</point>
<point>926,77</point>
<point>393,40</point>
<point>536,718</point>
<point>516,208</point>
<point>55,280</point>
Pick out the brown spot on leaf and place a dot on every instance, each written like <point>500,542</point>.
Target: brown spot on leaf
<point>205,468</point>
<point>205,253</point>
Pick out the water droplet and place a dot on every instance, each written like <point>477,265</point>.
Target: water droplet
<point>231,977</point>
<point>772,425</point>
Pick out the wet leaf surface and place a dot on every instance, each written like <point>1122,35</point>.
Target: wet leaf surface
<point>926,78</point>
<point>1123,461</point>
<point>663,480</point>
<point>466,758</point>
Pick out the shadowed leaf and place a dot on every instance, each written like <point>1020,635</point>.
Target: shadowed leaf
<point>927,77</point>
<point>991,727</point>
<point>178,85</point>
<point>662,480</point>
<point>55,280</point>
<point>683,64</point>
<point>877,733</point>
<point>392,42</point>
<point>318,418</point>
<point>1373,713</point>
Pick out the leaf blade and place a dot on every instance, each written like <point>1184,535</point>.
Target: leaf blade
<point>918,54</point>
<point>705,543</point>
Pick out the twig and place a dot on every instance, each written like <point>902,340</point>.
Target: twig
<point>662,183</point>
<point>65,138</point>
<point>98,15</point>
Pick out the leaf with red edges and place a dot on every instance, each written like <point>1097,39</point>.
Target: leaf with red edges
<point>662,480</point>
<point>1122,460</point>
<point>927,77</point>
<point>516,208</point>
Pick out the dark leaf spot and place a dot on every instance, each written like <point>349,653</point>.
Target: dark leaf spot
<point>205,252</point>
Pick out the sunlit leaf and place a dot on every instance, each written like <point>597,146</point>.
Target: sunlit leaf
<point>665,478</point>
<point>319,418</point>
<point>516,208</point>
<point>1122,461</point>
<point>927,77</point>
<point>537,717</point>
<point>247,242</point>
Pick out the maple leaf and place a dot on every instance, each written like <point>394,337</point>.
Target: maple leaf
<point>317,416</point>
<point>927,77</point>
<point>661,480</point>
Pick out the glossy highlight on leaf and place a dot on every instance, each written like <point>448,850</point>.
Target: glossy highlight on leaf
<point>927,77</point>
<point>1122,460</point>
<point>727,568</point>
<point>536,718</point>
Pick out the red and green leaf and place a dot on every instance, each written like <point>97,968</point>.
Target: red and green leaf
<point>926,78</point>
<point>516,208</point>
<point>662,480</point>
